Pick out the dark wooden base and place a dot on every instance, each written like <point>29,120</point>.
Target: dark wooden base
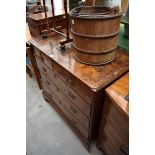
<point>47,98</point>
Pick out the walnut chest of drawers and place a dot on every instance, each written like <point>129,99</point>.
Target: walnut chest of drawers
<point>75,90</point>
<point>114,129</point>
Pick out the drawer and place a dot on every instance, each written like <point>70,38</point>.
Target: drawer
<point>67,102</point>
<point>111,142</point>
<point>74,122</point>
<point>43,58</point>
<point>119,121</point>
<point>78,86</point>
<point>76,99</point>
<point>43,68</point>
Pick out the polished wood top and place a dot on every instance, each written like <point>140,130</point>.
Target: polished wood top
<point>40,16</point>
<point>95,77</point>
<point>118,90</point>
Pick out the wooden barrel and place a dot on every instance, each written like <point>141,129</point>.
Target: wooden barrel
<point>95,33</point>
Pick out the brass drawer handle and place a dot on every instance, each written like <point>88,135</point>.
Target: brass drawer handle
<point>44,69</point>
<point>70,82</point>
<point>124,151</point>
<point>71,95</point>
<point>73,109</point>
<point>52,66</point>
<point>41,58</point>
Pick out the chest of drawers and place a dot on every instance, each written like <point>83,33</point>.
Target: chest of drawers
<point>114,129</point>
<point>75,90</point>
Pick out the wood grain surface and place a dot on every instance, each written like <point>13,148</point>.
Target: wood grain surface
<point>118,90</point>
<point>95,77</point>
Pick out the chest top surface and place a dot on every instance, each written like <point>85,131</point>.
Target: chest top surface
<point>95,77</point>
<point>118,90</point>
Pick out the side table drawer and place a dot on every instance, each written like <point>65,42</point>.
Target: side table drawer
<point>65,110</point>
<point>120,122</point>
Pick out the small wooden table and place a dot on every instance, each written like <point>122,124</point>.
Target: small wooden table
<point>37,22</point>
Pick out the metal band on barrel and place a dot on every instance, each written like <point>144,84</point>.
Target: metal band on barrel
<point>92,36</point>
<point>93,53</point>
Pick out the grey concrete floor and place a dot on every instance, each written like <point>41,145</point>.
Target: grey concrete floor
<point>47,133</point>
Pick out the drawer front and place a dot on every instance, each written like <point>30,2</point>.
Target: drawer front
<point>76,99</point>
<point>43,58</point>
<point>111,142</point>
<point>43,68</point>
<point>78,86</point>
<point>61,104</point>
<point>69,105</point>
<point>120,122</point>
